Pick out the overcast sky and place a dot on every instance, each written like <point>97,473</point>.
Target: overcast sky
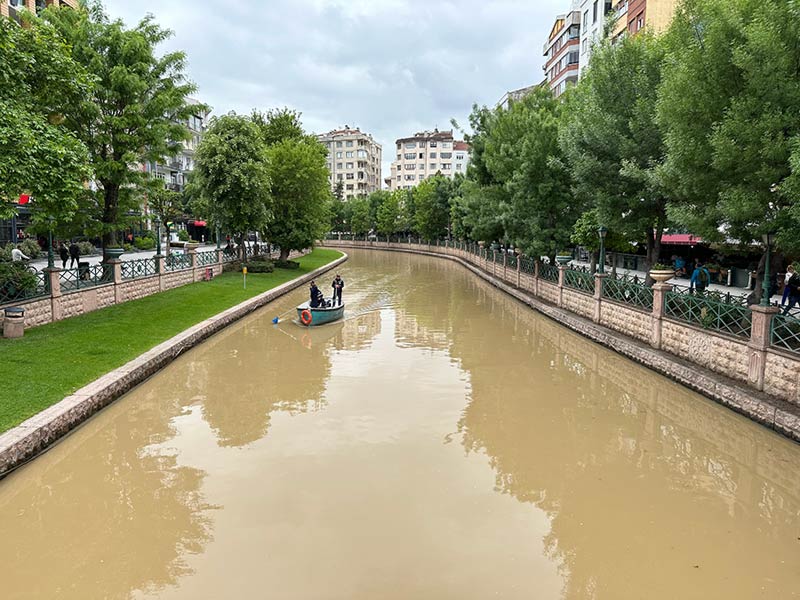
<point>390,67</point>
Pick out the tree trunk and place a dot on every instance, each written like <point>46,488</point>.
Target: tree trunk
<point>284,254</point>
<point>242,248</point>
<point>110,215</point>
<point>653,248</point>
<point>593,261</point>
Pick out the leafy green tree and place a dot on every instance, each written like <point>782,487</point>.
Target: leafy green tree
<point>522,154</point>
<point>338,191</point>
<point>39,82</point>
<point>586,234</point>
<point>728,107</point>
<point>613,143</point>
<point>278,125</point>
<point>360,221</point>
<point>166,205</point>
<point>231,176</point>
<point>432,200</point>
<point>301,194</point>
<point>388,219</point>
<point>134,112</point>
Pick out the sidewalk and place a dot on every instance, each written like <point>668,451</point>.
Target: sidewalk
<point>41,263</point>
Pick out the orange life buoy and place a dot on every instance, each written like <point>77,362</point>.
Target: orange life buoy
<point>305,317</point>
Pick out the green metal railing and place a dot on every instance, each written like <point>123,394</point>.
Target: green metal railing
<point>511,261</point>
<point>10,291</point>
<point>548,272</point>
<point>709,314</point>
<point>71,280</point>
<point>142,267</point>
<point>582,281</point>
<point>628,293</point>
<point>786,333</point>
<point>207,258</point>
<point>527,265</point>
<point>178,262</point>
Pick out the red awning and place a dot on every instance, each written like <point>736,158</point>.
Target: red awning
<point>199,223</point>
<point>24,198</point>
<point>680,239</point>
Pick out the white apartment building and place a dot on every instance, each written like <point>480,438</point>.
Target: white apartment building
<point>354,159</point>
<point>593,18</point>
<point>425,154</point>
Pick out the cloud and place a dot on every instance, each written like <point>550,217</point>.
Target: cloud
<point>390,67</point>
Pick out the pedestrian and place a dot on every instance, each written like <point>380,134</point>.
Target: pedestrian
<point>74,255</point>
<point>64,254</point>
<point>700,278</point>
<point>794,292</point>
<point>17,255</point>
<point>338,286</point>
<point>786,288</point>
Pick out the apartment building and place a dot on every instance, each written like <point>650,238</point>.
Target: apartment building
<point>562,52</point>
<point>634,15</point>
<point>175,171</point>
<point>11,8</point>
<point>354,159</point>
<point>425,154</point>
<point>593,19</point>
<point>516,95</point>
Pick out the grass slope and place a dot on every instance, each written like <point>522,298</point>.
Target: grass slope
<point>52,361</point>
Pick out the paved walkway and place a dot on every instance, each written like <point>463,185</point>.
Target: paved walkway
<point>95,259</point>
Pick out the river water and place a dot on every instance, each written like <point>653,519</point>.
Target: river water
<point>443,442</point>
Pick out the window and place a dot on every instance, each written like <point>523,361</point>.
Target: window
<point>399,156</point>
<point>433,166</point>
<point>362,154</point>
<point>422,177</point>
<point>421,155</point>
<point>338,155</point>
<point>349,143</point>
<point>433,154</point>
<point>585,45</point>
<point>410,167</point>
<point>349,186</point>
<point>422,167</point>
<point>409,178</point>
<point>339,177</point>
<point>445,144</point>
<point>458,166</point>
<point>338,144</point>
<point>459,157</point>
<point>432,144</point>
<point>446,166</point>
<point>399,178</point>
<point>410,155</point>
<point>338,165</point>
<point>349,165</point>
<point>594,12</point>
<point>348,154</point>
<point>410,145</point>
<point>586,19</point>
<point>350,176</point>
<point>446,155</point>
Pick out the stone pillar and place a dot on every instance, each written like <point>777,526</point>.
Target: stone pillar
<point>192,252</point>
<point>561,270</point>
<point>599,278</point>
<point>505,265</point>
<point>536,264</point>
<point>116,266</point>
<point>519,271</point>
<point>494,263</point>
<point>54,285</point>
<point>760,339</point>
<point>660,290</point>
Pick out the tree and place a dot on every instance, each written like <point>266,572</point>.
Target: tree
<point>135,111</point>
<point>728,106</point>
<point>39,156</point>
<point>586,234</point>
<point>231,176</point>
<point>338,191</point>
<point>613,143</point>
<point>166,204</point>
<point>278,125</point>
<point>388,220</point>
<point>523,156</point>
<point>431,198</point>
<point>300,193</point>
<point>360,222</point>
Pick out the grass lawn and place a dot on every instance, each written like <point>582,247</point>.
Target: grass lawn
<point>52,361</point>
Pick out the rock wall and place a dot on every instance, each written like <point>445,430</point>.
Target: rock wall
<point>707,349</point>
<point>581,304</point>
<point>627,320</point>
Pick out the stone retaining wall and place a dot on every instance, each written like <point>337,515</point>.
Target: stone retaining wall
<point>732,371</point>
<point>27,440</point>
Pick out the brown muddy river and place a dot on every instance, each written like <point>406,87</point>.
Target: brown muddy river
<point>445,443</point>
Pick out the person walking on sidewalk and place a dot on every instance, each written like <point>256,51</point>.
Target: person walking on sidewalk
<point>786,288</point>
<point>17,255</point>
<point>793,286</point>
<point>64,254</point>
<point>74,255</point>
<point>700,279</point>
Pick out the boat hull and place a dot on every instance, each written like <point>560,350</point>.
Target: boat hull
<point>319,315</point>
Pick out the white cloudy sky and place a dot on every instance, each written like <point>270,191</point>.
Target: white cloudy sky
<point>390,67</point>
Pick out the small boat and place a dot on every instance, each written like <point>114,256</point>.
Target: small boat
<point>320,315</point>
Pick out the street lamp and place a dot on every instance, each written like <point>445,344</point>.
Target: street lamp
<point>157,221</point>
<point>769,239</point>
<point>602,232</point>
<point>219,233</point>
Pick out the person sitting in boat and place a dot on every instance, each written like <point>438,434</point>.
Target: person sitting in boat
<point>316,299</point>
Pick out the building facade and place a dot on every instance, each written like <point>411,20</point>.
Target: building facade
<point>11,8</point>
<point>425,154</point>
<point>516,95</point>
<point>593,20</point>
<point>634,15</point>
<point>354,160</point>
<point>562,52</point>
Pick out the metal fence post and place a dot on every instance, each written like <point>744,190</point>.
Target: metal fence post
<point>561,270</point>
<point>536,265</point>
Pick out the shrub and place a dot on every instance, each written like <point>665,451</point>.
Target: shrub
<point>127,247</point>
<point>260,264</point>
<point>16,281</point>
<point>5,252</point>
<point>183,235</point>
<point>144,243</point>
<point>287,264</point>
<point>31,248</point>
<point>87,248</point>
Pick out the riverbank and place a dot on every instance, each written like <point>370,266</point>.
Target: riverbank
<point>54,360</point>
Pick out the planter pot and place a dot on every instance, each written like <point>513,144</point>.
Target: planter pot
<point>482,244</point>
<point>563,259</point>
<point>662,275</point>
<point>113,253</point>
<point>189,246</point>
<point>518,251</point>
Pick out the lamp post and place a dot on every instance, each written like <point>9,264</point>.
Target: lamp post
<point>219,233</point>
<point>50,256</point>
<point>602,232</point>
<point>768,238</point>
<point>157,221</point>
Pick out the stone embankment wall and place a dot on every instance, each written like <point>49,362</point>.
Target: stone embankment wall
<point>748,375</point>
<point>61,304</point>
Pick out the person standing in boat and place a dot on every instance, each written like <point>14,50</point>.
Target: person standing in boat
<point>316,295</point>
<point>338,286</point>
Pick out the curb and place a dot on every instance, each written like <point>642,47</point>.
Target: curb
<point>774,413</point>
<point>27,440</point>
